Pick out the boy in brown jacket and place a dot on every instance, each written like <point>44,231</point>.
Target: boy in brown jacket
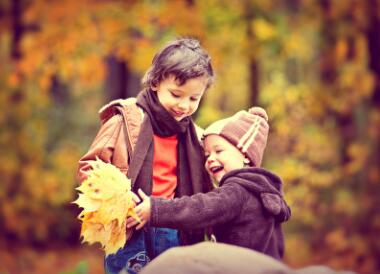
<point>153,140</point>
<point>248,207</point>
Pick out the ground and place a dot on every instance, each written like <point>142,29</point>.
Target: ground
<point>66,260</point>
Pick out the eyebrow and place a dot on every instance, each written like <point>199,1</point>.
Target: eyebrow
<point>196,95</point>
<point>217,146</point>
<point>181,91</point>
<point>175,89</point>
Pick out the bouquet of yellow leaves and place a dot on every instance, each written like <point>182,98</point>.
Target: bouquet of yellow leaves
<point>106,199</point>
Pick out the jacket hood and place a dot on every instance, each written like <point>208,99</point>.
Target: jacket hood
<point>265,185</point>
<point>113,108</point>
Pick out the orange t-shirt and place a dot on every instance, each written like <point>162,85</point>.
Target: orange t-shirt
<point>164,166</point>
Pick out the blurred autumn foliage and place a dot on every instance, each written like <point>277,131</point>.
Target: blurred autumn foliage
<point>313,64</point>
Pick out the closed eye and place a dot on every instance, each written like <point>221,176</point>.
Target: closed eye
<point>175,95</point>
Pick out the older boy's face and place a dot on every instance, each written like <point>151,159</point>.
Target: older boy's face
<point>181,101</point>
<point>221,156</point>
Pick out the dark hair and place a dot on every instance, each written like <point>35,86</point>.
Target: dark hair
<point>184,58</point>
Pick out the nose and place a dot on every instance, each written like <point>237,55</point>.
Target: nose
<point>210,159</point>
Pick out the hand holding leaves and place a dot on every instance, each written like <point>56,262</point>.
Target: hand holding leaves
<point>142,211</point>
<point>107,200</point>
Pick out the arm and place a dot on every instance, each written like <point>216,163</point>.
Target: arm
<point>102,146</point>
<point>194,212</point>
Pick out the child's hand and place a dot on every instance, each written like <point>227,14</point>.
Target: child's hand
<point>142,210</point>
<point>135,199</point>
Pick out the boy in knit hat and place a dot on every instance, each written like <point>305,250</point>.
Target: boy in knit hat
<point>247,208</point>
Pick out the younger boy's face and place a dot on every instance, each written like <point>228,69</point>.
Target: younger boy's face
<point>221,156</point>
<point>181,101</point>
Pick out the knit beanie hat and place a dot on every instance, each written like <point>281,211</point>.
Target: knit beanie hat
<point>246,130</point>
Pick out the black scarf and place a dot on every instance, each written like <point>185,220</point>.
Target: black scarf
<point>191,174</point>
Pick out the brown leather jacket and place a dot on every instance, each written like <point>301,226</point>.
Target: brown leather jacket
<point>112,141</point>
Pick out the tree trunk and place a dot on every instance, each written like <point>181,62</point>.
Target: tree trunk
<point>329,75</point>
<point>17,29</point>
<point>373,190</point>
<point>252,63</point>
<point>17,96</point>
<point>373,36</point>
<point>120,81</point>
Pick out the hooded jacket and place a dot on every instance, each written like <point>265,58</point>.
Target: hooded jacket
<point>246,210</point>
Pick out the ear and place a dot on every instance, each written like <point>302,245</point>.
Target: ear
<point>154,86</point>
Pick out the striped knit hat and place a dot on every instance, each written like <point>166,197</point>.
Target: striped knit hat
<point>246,130</point>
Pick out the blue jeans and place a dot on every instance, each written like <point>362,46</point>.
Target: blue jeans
<point>143,247</point>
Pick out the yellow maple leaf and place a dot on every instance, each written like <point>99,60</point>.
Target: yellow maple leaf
<point>88,205</point>
<point>106,199</point>
<point>117,238</point>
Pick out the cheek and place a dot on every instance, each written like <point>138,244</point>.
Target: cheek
<point>165,101</point>
<point>194,106</point>
<point>160,97</point>
<point>233,164</point>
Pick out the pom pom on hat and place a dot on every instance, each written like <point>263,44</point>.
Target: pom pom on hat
<point>246,130</point>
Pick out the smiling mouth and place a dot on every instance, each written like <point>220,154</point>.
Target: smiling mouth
<point>177,114</point>
<point>216,169</point>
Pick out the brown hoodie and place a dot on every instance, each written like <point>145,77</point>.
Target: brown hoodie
<point>246,210</point>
